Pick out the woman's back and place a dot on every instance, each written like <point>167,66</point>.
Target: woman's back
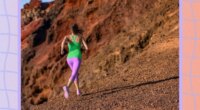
<point>74,47</point>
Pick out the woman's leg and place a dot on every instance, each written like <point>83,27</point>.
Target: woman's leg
<point>65,88</point>
<point>77,84</point>
<point>70,63</point>
<point>75,68</point>
<point>76,79</point>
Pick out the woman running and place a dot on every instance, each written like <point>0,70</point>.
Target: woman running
<point>74,57</point>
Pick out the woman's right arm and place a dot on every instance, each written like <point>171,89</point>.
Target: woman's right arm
<point>63,44</point>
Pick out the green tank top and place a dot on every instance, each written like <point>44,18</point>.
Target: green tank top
<point>74,48</point>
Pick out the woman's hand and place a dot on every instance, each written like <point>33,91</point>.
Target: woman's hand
<point>62,52</point>
<point>86,53</point>
<point>86,50</point>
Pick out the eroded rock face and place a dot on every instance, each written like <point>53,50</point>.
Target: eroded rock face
<point>34,10</point>
<point>124,37</point>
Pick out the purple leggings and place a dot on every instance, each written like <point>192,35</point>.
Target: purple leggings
<point>74,64</point>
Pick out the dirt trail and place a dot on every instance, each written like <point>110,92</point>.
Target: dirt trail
<point>150,95</point>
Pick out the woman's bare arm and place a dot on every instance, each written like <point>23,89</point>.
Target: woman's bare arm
<point>84,43</point>
<point>63,44</point>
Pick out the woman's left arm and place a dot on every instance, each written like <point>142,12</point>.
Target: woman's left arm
<point>63,44</point>
<point>84,43</point>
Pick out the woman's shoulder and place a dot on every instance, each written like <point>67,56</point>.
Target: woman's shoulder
<point>79,36</point>
<point>68,36</point>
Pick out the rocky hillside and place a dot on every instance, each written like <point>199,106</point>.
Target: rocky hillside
<point>132,61</point>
